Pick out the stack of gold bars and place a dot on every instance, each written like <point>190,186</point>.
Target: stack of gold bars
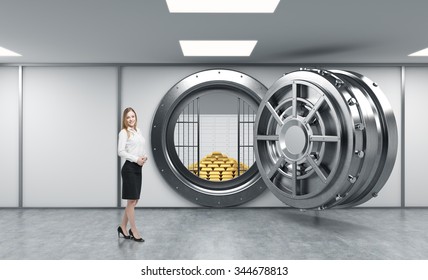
<point>218,167</point>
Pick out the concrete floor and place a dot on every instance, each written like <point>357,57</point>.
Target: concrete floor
<point>244,234</point>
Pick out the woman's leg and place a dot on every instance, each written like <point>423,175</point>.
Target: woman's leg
<point>124,223</point>
<point>130,212</point>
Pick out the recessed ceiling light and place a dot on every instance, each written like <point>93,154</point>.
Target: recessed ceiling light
<point>423,52</point>
<point>222,6</point>
<point>217,48</point>
<point>6,52</point>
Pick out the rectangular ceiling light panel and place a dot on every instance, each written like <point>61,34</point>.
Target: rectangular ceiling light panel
<point>217,48</point>
<point>222,6</point>
<point>423,52</point>
<point>6,52</point>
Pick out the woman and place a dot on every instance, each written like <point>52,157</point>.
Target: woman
<point>131,148</point>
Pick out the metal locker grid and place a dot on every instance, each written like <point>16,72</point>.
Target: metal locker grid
<point>246,119</point>
<point>188,143</point>
<point>186,136</point>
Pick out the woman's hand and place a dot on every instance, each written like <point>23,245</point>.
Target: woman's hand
<point>142,160</point>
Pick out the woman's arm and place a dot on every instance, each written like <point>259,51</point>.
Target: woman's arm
<point>121,147</point>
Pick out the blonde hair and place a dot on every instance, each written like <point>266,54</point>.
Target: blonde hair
<point>124,123</point>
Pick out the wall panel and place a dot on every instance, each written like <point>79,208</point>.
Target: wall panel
<point>70,124</point>
<point>416,98</point>
<point>70,133</point>
<point>143,88</point>
<point>9,143</point>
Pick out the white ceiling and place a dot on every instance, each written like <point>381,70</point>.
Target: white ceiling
<point>143,31</point>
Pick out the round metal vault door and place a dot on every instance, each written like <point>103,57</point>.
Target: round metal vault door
<point>324,139</point>
<point>195,167</point>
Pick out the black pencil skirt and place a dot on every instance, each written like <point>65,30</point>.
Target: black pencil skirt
<point>131,178</point>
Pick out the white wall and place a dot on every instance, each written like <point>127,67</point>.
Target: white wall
<point>70,133</point>
<point>9,141</point>
<point>70,128</point>
<point>416,92</point>
<point>142,89</point>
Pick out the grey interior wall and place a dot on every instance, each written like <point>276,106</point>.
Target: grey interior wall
<point>143,89</point>
<point>218,101</point>
<point>70,132</point>
<point>416,92</point>
<point>9,143</point>
<point>70,124</point>
<point>144,86</point>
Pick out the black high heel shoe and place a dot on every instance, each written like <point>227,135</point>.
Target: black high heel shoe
<point>120,231</point>
<point>133,237</point>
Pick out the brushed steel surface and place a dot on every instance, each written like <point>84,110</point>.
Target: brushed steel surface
<point>198,190</point>
<point>325,139</point>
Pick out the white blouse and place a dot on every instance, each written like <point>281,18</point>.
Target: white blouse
<point>131,148</point>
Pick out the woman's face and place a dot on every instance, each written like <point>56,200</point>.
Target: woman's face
<point>130,119</point>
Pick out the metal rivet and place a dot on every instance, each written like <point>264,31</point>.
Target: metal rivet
<point>374,84</point>
<point>352,179</point>
<point>154,126</point>
<point>359,126</point>
<point>352,101</point>
<point>219,73</point>
<point>374,194</point>
<point>196,76</point>
<point>315,155</point>
<point>176,87</point>
<point>154,149</point>
<point>162,170</point>
<point>338,83</point>
<point>360,154</point>
<point>162,105</point>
